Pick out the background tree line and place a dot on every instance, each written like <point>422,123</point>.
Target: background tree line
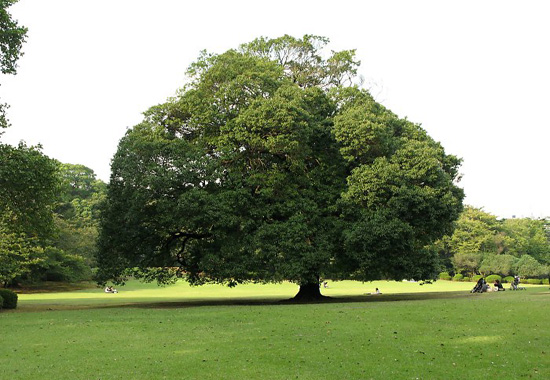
<point>483,244</point>
<point>48,218</point>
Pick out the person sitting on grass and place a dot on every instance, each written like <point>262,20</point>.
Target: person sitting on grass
<point>480,287</point>
<point>377,291</point>
<point>498,286</point>
<point>110,289</point>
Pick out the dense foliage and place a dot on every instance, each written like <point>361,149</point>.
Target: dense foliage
<point>48,218</point>
<point>69,255</point>
<point>483,244</point>
<point>77,211</point>
<point>270,165</point>
<point>28,189</point>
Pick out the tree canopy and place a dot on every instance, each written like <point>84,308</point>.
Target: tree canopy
<point>12,37</point>
<point>28,191</point>
<point>273,164</point>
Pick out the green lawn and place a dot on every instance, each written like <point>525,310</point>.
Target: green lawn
<point>437,331</point>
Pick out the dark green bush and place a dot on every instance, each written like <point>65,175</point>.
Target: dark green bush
<point>466,279</point>
<point>508,279</point>
<point>10,298</point>
<point>492,278</point>
<point>458,277</point>
<point>445,276</point>
<point>1,302</point>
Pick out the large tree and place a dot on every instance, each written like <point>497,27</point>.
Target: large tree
<point>270,165</point>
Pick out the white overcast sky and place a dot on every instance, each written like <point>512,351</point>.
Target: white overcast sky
<point>475,74</point>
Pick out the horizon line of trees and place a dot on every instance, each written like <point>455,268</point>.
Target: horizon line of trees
<point>48,218</point>
<point>482,244</point>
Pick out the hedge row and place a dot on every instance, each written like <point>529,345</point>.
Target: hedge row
<point>537,281</point>
<point>491,279</point>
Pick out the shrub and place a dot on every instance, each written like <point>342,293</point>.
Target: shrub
<point>533,281</point>
<point>10,298</point>
<point>546,281</point>
<point>492,278</point>
<point>466,279</point>
<point>458,277</point>
<point>445,276</point>
<point>476,277</point>
<point>508,279</point>
<point>1,302</point>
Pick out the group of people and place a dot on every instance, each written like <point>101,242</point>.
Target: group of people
<point>482,286</point>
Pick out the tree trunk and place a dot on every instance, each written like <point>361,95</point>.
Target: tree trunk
<point>309,292</point>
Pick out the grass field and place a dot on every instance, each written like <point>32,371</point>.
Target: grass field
<point>437,331</point>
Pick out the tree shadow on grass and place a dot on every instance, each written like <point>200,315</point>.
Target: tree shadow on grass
<point>266,301</point>
<point>277,301</point>
<point>54,287</point>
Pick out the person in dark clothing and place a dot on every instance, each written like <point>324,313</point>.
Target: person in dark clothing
<point>498,286</point>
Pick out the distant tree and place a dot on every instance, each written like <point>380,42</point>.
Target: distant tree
<point>80,195</point>
<point>49,215</point>
<point>18,254</point>
<point>527,266</point>
<point>29,186</point>
<point>74,238</point>
<point>476,232</point>
<point>271,165</point>
<point>498,264</point>
<point>12,37</point>
<point>529,237</point>
<point>28,192</point>
<point>77,212</point>
<point>467,262</point>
